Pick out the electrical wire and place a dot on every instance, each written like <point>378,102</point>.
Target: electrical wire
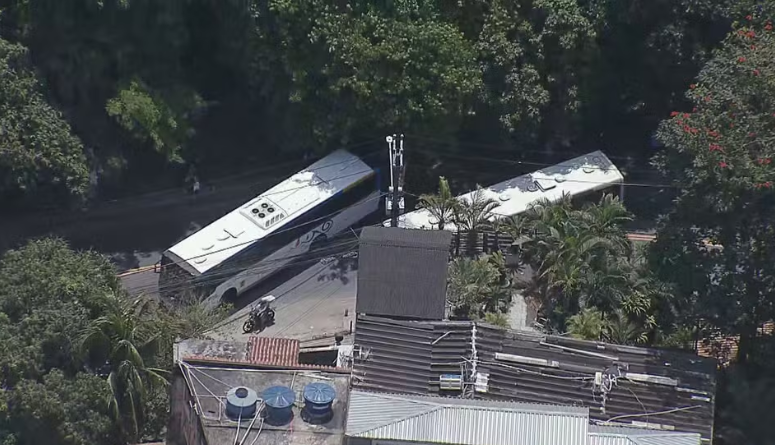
<point>544,164</point>
<point>222,179</point>
<point>250,241</point>
<point>653,413</point>
<point>502,148</point>
<point>264,267</point>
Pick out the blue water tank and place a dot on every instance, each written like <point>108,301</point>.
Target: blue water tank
<point>279,404</point>
<point>318,399</point>
<point>241,403</point>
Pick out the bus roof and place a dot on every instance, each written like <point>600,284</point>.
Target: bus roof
<point>584,174</point>
<point>271,211</point>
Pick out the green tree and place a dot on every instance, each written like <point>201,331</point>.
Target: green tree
<point>581,259</point>
<point>478,286</point>
<point>161,119</point>
<point>534,56</point>
<point>48,294</point>
<point>352,69</point>
<point>442,205</point>
<point>719,156</point>
<point>588,324</point>
<point>59,410</point>
<point>123,343</point>
<point>39,156</point>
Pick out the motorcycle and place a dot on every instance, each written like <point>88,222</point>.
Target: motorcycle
<point>261,316</point>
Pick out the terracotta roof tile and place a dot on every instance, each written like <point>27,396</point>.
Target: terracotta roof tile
<point>273,351</point>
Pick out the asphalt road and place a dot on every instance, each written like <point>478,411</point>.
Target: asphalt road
<point>134,231</point>
<point>316,302</point>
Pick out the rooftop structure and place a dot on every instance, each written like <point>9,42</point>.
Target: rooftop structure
<point>664,390</point>
<point>201,396</point>
<point>612,435</point>
<point>578,176</point>
<point>403,273</point>
<point>268,213</point>
<point>463,421</point>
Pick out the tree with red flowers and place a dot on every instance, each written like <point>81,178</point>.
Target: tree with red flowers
<point>719,156</point>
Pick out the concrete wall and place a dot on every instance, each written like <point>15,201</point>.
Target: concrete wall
<point>184,427</point>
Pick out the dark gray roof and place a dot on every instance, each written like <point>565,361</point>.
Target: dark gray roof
<point>410,357</point>
<point>403,273</point>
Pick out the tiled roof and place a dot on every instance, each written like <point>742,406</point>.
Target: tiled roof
<point>411,356</point>
<point>402,272</point>
<point>463,421</point>
<point>259,352</point>
<point>273,351</point>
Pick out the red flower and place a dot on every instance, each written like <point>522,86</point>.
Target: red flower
<point>673,114</point>
<point>768,184</point>
<point>707,98</point>
<point>723,164</point>
<point>741,59</point>
<point>751,34</point>
<point>755,72</point>
<point>765,161</point>
<point>753,47</point>
<point>749,17</point>
<point>714,134</point>
<point>694,110</point>
<point>768,27</point>
<point>714,147</point>
<point>686,116</point>
<point>693,86</point>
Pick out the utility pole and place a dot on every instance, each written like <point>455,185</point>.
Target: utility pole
<point>395,201</point>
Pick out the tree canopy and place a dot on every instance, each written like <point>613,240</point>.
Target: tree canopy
<point>80,363</point>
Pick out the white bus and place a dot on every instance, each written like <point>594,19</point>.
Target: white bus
<point>578,176</point>
<point>244,247</point>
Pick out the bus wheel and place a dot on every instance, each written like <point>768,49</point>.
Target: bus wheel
<point>230,296</point>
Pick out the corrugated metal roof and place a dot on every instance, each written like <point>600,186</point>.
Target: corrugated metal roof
<point>273,351</point>
<point>464,421</point>
<point>410,357</point>
<point>615,435</point>
<point>403,273</point>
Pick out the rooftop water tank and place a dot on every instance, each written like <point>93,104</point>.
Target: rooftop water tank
<point>279,403</point>
<point>241,402</point>
<point>318,398</point>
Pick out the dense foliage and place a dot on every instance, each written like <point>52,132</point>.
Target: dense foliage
<point>80,363</point>
<point>144,83</point>
<point>716,243</point>
<point>99,95</point>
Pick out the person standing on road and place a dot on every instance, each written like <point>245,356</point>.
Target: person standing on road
<point>195,187</point>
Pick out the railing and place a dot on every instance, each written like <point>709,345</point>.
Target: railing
<point>467,244</point>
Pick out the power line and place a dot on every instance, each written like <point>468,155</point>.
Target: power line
<point>503,148</point>
<point>262,267</point>
<point>250,241</point>
<point>543,164</point>
<point>107,205</point>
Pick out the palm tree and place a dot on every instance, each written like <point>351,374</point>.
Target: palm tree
<point>442,205</point>
<point>474,214</point>
<point>478,286</point>
<point>588,324</point>
<point>122,344</point>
